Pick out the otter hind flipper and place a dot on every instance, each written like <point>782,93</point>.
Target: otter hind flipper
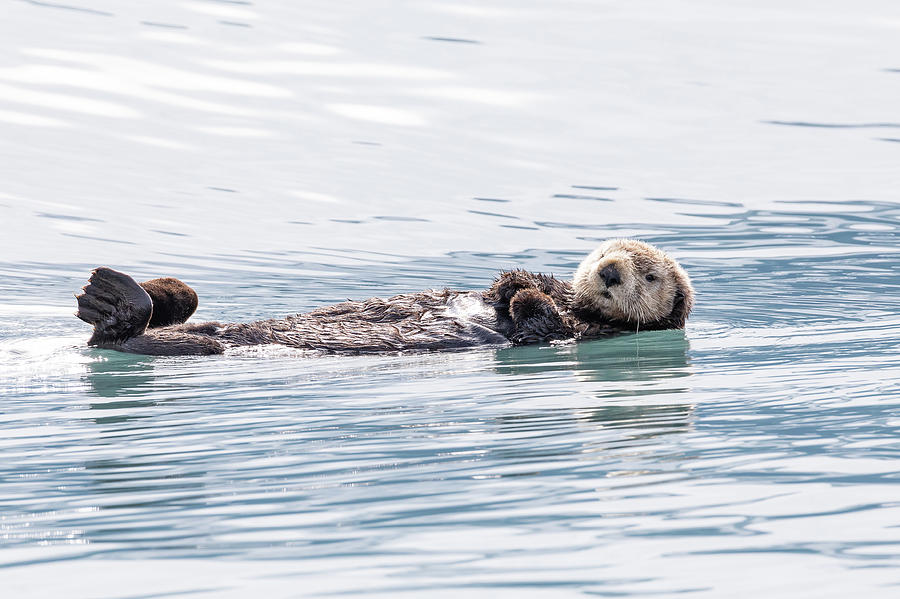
<point>115,305</point>
<point>173,301</point>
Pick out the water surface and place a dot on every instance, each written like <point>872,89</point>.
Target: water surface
<point>282,156</point>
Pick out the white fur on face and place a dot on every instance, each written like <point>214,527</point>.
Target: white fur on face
<point>636,299</point>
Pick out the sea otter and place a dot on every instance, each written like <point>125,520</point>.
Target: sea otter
<point>624,285</point>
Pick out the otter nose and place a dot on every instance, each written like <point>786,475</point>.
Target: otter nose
<point>610,275</point>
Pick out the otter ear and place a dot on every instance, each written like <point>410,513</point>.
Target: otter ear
<point>681,308</point>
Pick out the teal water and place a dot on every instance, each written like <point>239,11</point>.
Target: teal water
<point>283,156</point>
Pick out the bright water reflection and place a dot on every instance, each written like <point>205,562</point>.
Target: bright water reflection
<point>282,156</point>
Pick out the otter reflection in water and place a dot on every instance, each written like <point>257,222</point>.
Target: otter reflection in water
<point>624,285</point>
<point>621,392</point>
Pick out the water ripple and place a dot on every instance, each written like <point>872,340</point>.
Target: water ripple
<point>283,156</point>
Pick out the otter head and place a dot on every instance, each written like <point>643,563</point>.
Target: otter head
<point>633,283</point>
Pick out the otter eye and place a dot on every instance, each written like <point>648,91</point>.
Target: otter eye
<point>650,277</point>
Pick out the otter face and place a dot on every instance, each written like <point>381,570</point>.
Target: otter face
<point>634,282</point>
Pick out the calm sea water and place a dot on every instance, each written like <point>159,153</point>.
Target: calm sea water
<point>280,156</point>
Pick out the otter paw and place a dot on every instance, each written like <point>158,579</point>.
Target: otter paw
<point>531,303</point>
<point>537,318</point>
<point>507,285</point>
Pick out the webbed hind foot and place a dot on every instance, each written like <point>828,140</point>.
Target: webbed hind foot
<point>115,305</point>
<point>173,301</point>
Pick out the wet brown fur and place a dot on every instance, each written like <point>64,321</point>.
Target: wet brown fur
<point>173,301</point>
<point>519,308</point>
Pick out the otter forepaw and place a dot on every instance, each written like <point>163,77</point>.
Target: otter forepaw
<point>507,285</point>
<point>537,318</point>
<point>531,303</point>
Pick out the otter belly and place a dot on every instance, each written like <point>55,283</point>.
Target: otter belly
<point>430,320</point>
<point>477,317</point>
